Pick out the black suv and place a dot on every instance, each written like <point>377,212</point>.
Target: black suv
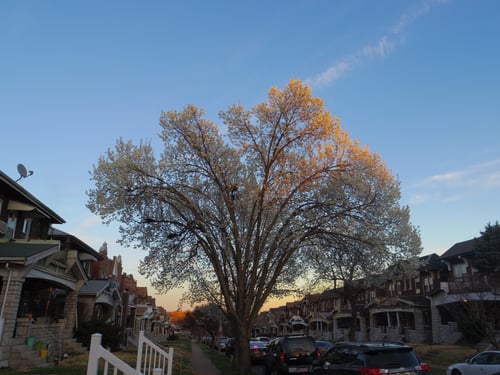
<point>370,358</point>
<point>291,354</point>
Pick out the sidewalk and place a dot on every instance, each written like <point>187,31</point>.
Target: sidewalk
<point>200,363</point>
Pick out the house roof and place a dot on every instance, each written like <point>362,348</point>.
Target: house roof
<point>16,192</point>
<point>75,242</point>
<point>105,291</point>
<point>460,249</point>
<point>27,252</point>
<point>94,286</point>
<point>432,262</point>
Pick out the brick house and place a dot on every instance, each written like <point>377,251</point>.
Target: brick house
<point>41,272</point>
<point>414,309</point>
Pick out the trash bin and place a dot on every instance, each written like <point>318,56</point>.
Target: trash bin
<point>38,346</point>
<point>44,353</point>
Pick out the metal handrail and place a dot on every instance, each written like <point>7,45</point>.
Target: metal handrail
<point>57,340</point>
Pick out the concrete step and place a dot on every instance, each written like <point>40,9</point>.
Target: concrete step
<point>71,346</point>
<point>25,356</point>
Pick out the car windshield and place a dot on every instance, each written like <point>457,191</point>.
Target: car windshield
<point>391,359</point>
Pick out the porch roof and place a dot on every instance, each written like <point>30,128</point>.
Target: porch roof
<point>26,252</point>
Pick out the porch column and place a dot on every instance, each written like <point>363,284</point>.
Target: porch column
<point>9,300</point>
<point>362,327</point>
<point>70,307</point>
<point>436,324</point>
<point>372,326</point>
<point>419,326</point>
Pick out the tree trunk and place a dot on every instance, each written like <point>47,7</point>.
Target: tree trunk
<point>241,359</point>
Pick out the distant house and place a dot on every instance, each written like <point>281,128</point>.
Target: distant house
<point>461,284</point>
<point>100,299</point>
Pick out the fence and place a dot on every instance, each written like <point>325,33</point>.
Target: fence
<point>151,359</point>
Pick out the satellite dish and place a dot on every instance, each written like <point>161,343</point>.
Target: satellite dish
<point>23,172</point>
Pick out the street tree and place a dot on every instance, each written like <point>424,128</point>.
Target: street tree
<point>205,320</point>
<point>487,251</point>
<point>229,218</point>
<point>371,244</point>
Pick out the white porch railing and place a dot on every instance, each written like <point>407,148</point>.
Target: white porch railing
<point>111,362</point>
<point>151,357</point>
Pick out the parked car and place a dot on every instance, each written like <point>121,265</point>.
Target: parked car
<point>484,363</point>
<point>291,354</point>
<point>370,358</point>
<point>264,339</point>
<point>258,352</point>
<point>323,346</point>
<point>221,344</point>
<point>230,342</point>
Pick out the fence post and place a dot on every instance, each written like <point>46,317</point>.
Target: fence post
<point>95,345</point>
<point>170,361</point>
<point>139,351</point>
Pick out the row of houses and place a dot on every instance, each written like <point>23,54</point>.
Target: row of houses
<point>432,307</point>
<point>51,282</point>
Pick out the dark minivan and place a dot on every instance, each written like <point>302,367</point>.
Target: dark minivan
<point>291,355</point>
<point>370,358</point>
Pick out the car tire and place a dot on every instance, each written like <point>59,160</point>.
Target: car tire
<point>455,372</point>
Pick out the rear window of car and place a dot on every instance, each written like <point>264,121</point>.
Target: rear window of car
<point>257,344</point>
<point>391,359</point>
<point>299,345</point>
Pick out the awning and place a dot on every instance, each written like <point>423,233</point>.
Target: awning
<point>27,252</point>
<point>20,206</point>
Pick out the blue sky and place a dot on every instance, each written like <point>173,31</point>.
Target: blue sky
<point>417,81</point>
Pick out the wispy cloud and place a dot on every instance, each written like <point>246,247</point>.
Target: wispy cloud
<point>378,49</point>
<point>457,185</point>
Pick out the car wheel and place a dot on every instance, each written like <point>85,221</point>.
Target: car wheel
<point>455,372</point>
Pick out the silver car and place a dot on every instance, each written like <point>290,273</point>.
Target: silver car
<point>484,363</point>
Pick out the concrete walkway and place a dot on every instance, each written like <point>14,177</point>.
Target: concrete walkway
<point>200,363</point>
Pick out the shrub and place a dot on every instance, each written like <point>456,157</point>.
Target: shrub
<point>110,333</point>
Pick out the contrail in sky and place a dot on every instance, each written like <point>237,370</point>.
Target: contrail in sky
<point>380,48</point>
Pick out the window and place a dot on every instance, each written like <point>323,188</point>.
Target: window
<point>26,228</point>
<point>459,269</point>
<point>427,283</point>
<point>480,359</point>
<point>11,226</point>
